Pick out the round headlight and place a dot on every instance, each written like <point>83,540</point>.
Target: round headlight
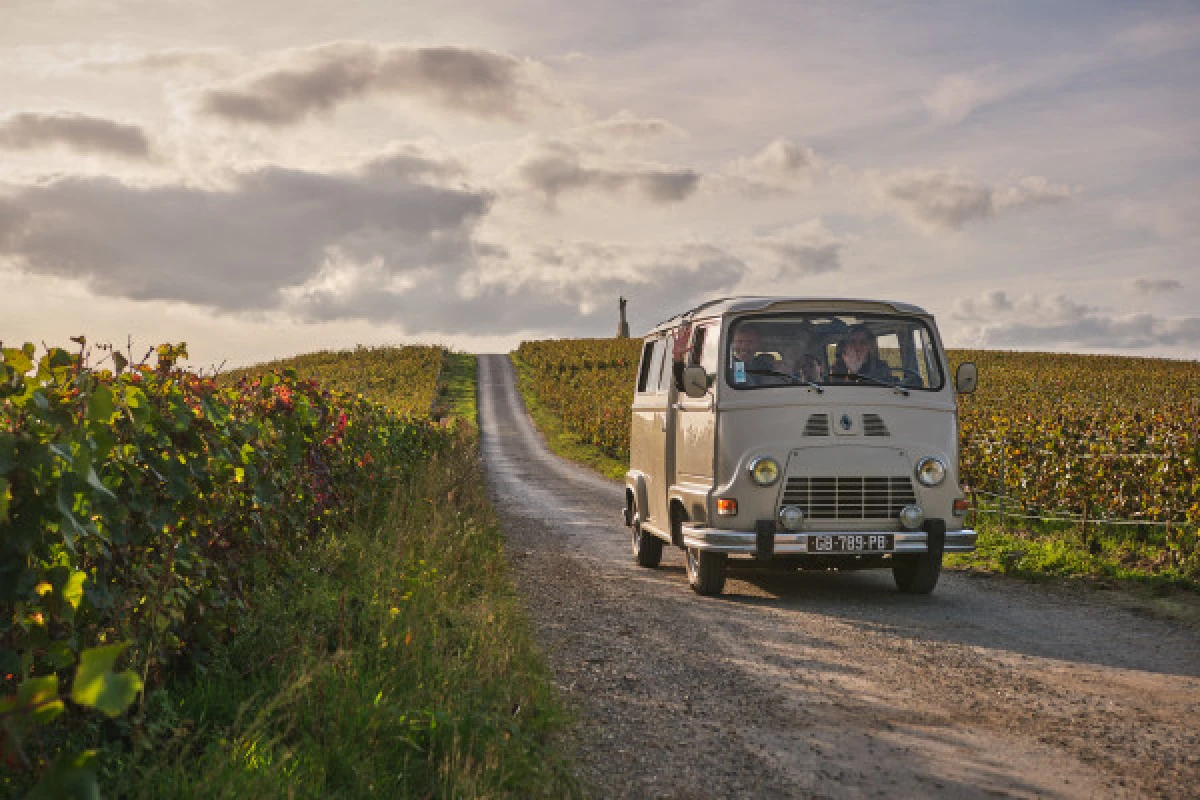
<point>764,471</point>
<point>911,517</point>
<point>930,471</point>
<point>792,517</point>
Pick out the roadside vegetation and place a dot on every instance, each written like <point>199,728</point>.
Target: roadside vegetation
<point>264,586</point>
<point>1107,448</point>
<point>457,396</point>
<point>575,391</point>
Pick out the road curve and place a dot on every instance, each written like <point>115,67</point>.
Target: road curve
<point>829,684</point>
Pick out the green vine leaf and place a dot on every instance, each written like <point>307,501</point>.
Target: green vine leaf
<point>97,686</point>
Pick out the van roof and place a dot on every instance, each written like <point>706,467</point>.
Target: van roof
<point>737,305</point>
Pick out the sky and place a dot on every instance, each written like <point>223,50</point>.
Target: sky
<point>261,178</point>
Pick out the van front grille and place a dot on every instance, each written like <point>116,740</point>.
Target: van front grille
<point>846,497</point>
<point>817,425</point>
<point>873,425</point>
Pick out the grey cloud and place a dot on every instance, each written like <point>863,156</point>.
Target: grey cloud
<point>554,288</point>
<point>624,125</point>
<point>779,168</point>
<point>554,173</point>
<point>470,81</point>
<point>1147,285</point>
<point>29,130</point>
<point>783,156</point>
<point>996,320</point>
<point>240,247</point>
<point>794,259</point>
<point>992,302</point>
<point>1132,332</point>
<point>948,201</point>
<point>161,60</point>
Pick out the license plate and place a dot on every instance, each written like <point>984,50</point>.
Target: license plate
<point>851,543</point>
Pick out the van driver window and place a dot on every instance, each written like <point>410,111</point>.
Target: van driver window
<point>704,350</point>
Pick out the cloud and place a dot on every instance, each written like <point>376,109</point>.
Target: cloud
<point>780,167</point>
<point>555,170</point>
<point>319,79</point>
<point>954,97</point>
<point>238,248</point>
<point>625,127</point>
<point>162,60</point>
<point>995,320</point>
<point>948,201</point>
<point>1148,285</point>
<point>30,130</point>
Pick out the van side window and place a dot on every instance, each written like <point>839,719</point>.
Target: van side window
<point>648,353</point>
<point>664,378</point>
<point>704,350</point>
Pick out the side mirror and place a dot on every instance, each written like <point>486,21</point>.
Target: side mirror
<point>966,378</point>
<point>695,381</point>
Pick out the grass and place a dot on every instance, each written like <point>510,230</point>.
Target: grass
<point>457,392</point>
<point>560,440</point>
<point>399,663</point>
<point>1156,569</point>
<point>395,661</point>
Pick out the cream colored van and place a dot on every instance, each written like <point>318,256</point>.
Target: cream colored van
<point>799,433</point>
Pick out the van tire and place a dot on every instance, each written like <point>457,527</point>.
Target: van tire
<point>647,548</point>
<point>917,574</point>
<point>705,571</point>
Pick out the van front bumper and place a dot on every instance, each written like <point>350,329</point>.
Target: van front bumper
<point>718,540</point>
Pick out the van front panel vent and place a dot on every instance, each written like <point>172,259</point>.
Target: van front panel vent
<point>817,425</point>
<point>849,497</point>
<point>873,426</point>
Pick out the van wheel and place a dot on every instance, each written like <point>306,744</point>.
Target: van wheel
<point>647,548</point>
<point>705,571</point>
<point>917,574</point>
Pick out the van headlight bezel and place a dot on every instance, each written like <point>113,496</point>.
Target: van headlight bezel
<point>764,471</point>
<point>930,471</point>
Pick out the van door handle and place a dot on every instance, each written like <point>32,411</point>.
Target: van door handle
<point>664,422</point>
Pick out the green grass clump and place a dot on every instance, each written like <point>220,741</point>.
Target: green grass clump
<point>1152,558</point>
<point>397,663</point>
<point>457,393</point>
<point>559,439</point>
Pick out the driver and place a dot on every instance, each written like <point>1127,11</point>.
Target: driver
<point>747,358</point>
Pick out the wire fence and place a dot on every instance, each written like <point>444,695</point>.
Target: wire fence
<point>1003,499</point>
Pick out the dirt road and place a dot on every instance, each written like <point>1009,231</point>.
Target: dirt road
<point>830,684</point>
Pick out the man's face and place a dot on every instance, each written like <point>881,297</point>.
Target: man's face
<point>746,342</point>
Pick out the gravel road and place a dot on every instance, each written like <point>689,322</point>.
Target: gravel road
<point>829,684</point>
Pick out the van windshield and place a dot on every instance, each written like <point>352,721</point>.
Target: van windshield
<point>833,349</point>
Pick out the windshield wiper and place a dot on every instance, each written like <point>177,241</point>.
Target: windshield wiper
<point>790,378</point>
<point>895,387</point>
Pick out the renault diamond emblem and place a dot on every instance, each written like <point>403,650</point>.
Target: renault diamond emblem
<point>846,422</point>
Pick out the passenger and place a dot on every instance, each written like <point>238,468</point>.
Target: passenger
<point>802,364</point>
<point>858,354</point>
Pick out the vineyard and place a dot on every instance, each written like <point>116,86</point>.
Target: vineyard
<point>1109,438</point>
<point>142,504</point>
<point>401,378</point>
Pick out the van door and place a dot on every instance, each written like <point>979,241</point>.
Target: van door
<point>696,418</point>
<point>646,453</point>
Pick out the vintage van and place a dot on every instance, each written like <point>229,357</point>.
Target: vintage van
<point>797,433</point>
